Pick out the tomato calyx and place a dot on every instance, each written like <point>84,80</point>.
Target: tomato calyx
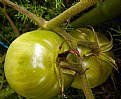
<point>96,47</point>
<point>68,61</point>
<point>107,46</point>
<point>101,49</point>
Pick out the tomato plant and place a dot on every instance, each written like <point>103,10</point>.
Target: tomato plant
<point>35,66</point>
<point>97,58</point>
<point>31,68</point>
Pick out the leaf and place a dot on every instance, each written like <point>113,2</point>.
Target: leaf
<point>67,68</point>
<point>68,71</point>
<point>107,46</point>
<point>108,59</point>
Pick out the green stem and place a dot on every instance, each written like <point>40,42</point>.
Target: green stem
<point>40,21</point>
<point>67,37</point>
<point>105,11</point>
<point>85,85</point>
<point>69,13</point>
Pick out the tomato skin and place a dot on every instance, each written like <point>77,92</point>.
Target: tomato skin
<point>96,73</point>
<point>96,70</point>
<point>30,65</point>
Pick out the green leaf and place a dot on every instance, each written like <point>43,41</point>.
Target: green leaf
<point>107,46</point>
<point>108,59</point>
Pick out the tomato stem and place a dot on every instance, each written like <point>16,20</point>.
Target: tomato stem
<point>83,79</point>
<point>69,13</point>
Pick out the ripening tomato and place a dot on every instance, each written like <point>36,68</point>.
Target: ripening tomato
<point>98,59</point>
<point>30,65</point>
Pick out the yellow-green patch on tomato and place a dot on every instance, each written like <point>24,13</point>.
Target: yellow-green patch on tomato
<point>30,64</point>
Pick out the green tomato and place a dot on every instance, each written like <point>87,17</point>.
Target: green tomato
<point>31,65</point>
<point>96,63</point>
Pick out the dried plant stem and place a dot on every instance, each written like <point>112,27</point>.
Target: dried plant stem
<point>15,30</point>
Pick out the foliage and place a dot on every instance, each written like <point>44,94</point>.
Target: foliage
<point>47,9</point>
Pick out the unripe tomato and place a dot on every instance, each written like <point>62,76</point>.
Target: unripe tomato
<point>97,62</point>
<point>31,67</point>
